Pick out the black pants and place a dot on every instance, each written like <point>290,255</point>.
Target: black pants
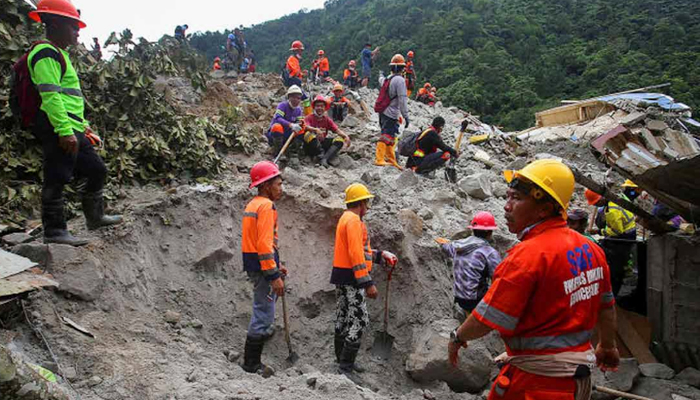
<point>426,164</point>
<point>338,112</point>
<point>318,148</point>
<point>618,251</point>
<point>60,167</point>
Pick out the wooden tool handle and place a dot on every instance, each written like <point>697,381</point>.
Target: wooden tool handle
<point>603,389</point>
<point>284,148</point>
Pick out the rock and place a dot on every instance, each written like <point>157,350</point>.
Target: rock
<point>426,214</point>
<point>311,381</point>
<point>370,176</point>
<point>500,190</point>
<point>655,125</point>
<point>14,239</point>
<point>345,162</point>
<point>411,222</point>
<point>196,324</point>
<point>428,395</point>
<point>264,101</point>
<point>193,376</point>
<point>517,164</point>
<point>428,361</point>
<point>232,355</point>
<point>547,156</point>
<point>477,186</point>
<point>350,122</point>
<point>689,376</point>
<point>661,389</point>
<point>218,74</point>
<point>36,252</point>
<point>172,317</point>
<point>622,380</point>
<point>94,381</point>
<point>213,260</point>
<point>70,373</point>
<point>78,271</point>
<point>633,119</point>
<point>657,370</point>
<point>407,179</point>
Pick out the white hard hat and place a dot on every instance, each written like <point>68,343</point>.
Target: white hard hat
<point>294,89</point>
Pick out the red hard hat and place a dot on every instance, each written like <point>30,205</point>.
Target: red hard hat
<point>263,172</point>
<point>297,45</point>
<point>321,52</point>
<point>351,63</point>
<point>321,99</point>
<point>483,221</point>
<point>410,54</point>
<point>63,8</point>
<point>592,197</point>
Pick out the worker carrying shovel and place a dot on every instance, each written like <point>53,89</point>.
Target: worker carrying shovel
<point>352,265</point>
<point>547,297</point>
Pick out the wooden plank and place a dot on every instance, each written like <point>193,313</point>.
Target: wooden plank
<point>8,288</point>
<point>12,264</point>
<point>35,278</point>
<point>632,339</point>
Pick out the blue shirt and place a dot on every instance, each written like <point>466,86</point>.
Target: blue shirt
<point>366,58</point>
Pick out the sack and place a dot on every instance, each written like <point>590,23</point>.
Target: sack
<point>383,101</point>
<point>407,144</point>
<point>25,100</point>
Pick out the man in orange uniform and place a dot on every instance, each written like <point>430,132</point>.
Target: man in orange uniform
<point>410,74</point>
<point>547,297</point>
<point>352,265</point>
<point>339,103</point>
<point>324,68</point>
<point>261,260</point>
<point>295,74</point>
<point>351,77</point>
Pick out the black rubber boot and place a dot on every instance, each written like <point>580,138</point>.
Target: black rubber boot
<point>277,144</point>
<point>338,344</point>
<point>53,219</point>
<point>94,210</point>
<point>330,154</point>
<point>347,362</point>
<point>252,353</point>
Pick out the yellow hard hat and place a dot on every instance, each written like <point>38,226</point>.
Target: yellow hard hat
<point>357,192</point>
<point>630,184</point>
<point>552,176</point>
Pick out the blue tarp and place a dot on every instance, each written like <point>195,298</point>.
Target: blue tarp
<point>662,100</point>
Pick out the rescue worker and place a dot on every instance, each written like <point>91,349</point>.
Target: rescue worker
<point>217,64</point>
<point>352,267</point>
<point>578,221</point>
<point>423,94</point>
<point>431,152</point>
<point>547,297</point>
<point>96,51</point>
<point>410,74</point>
<point>261,261</point>
<point>324,68</point>
<point>432,96</point>
<point>253,61</point>
<point>181,32</point>
<point>295,74</point>
<point>351,77</point>
<point>66,137</point>
<point>317,142</point>
<point>389,118</point>
<point>231,51</point>
<point>619,236</point>
<point>473,261</point>
<point>339,104</point>
<point>367,57</point>
<point>286,122</point>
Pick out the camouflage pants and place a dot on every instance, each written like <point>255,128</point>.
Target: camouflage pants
<point>351,315</point>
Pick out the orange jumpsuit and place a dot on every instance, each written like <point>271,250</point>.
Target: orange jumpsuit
<point>294,67</point>
<point>545,299</point>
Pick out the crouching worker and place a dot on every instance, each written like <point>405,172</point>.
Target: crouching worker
<point>339,104</point>
<point>317,142</point>
<point>474,260</point>
<point>352,266</point>
<point>261,261</point>
<point>287,121</point>
<point>431,152</point>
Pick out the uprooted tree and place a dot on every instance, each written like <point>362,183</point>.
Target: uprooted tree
<point>145,138</point>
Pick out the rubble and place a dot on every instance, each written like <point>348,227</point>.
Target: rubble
<point>657,370</point>
<point>477,186</point>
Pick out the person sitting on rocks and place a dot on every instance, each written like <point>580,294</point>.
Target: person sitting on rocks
<point>351,78</point>
<point>287,121</point>
<point>423,93</point>
<point>431,152</point>
<point>339,104</point>
<point>474,260</point>
<point>317,142</point>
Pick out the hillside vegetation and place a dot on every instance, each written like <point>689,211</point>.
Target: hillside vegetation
<point>502,59</point>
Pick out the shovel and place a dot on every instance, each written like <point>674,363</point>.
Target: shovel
<point>293,356</point>
<point>450,170</point>
<point>284,148</point>
<point>383,341</point>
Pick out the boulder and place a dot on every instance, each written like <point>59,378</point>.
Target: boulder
<point>428,359</point>
<point>689,376</point>
<point>477,186</point>
<point>661,389</point>
<point>411,222</point>
<point>500,190</point>
<point>407,179</point>
<point>344,161</point>
<point>622,379</point>
<point>517,164</point>
<point>426,213</point>
<point>78,272</point>
<point>14,239</point>
<point>657,370</point>
<point>369,177</point>
<point>350,122</point>
<point>218,74</point>
<point>36,252</point>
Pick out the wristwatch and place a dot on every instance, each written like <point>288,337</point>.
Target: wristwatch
<point>454,338</point>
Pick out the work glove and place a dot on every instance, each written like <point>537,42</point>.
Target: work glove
<point>296,128</point>
<point>389,258</point>
<point>407,123</point>
<point>465,124</point>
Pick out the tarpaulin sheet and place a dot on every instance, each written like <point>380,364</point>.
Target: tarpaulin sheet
<point>662,100</point>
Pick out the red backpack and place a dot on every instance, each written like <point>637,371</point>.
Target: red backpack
<point>384,100</point>
<point>24,97</point>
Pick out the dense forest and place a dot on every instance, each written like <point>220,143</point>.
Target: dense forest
<point>501,59</point>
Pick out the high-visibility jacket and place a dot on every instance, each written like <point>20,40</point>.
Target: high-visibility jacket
<point>618,221</point>
<point>61,98</point>
<point>350,74</point>
<point>409,68</point>
<point>293,67</point>
<point>260,241</point>
<point>352,260</point>
<point>547,293</point>
<point>324,65</point>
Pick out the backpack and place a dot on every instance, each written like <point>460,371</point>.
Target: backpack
<point>24,96</point>
<point>383,101</point>
<point>285,74</point>
<point>409,143</point>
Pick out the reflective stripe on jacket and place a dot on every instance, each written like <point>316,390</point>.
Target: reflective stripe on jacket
<point>547,293</point>
<point>61,98</point>
<point>259,241</point>
<point>352,260</point>
<point>618,221</point>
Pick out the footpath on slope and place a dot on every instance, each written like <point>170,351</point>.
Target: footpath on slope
<point>166,300</point>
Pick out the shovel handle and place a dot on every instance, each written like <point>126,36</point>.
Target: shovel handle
<point>284,148</point>
<point>286,323</point>
<point>386,299</point>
